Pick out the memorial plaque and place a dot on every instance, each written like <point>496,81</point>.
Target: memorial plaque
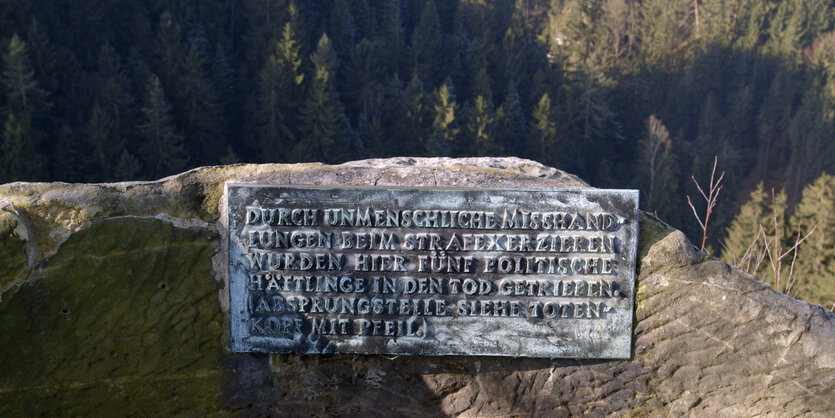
<point>500,272</point>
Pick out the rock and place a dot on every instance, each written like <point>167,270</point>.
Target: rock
<point>110,304</point>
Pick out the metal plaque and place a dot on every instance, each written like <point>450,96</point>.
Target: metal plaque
<point>500,272</point>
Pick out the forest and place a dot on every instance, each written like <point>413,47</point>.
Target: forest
<point>640,94</point>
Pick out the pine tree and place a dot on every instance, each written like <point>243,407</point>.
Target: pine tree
<point>322,122</point>
<point>127,167</point>
<point>512,124</point>
<point>542,133</point>
<point>407,119</point>
<point>391,36</point>
<point>23,93</point>
<point>815,266</point>
<point>760,223</point>
<point>362,87</point>
<point>479,129</point>
<point>279,95</point>
<point>67,157</point>
<point>18,160</point>
<point>341,29</point>
<point>444,127</point>
<point>516,49</point>
<point>745,227</point>
<point>25,101</point>
<point>263,23</point>
<point>202,115</point>
<point>425,45</point>
<point>170,47</point>
<point>103,140</point>
<point>811,140</point>
<point>162,146</point>
<point>112,121</point>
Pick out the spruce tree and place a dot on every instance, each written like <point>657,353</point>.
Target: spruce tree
<point>127,167</point>
<point>815,265</point>
<point>263,22</point>
<point>362,87</point>
<point>516,48</point>
<point>23,93</point>
<point>762,217</point>
<point>512,124</point>
<point>18,160</point>
<point>322,119</point>
<point>425,45</point>
<point>279,95</point>
<point>479,129</point>
<point>202,114</point>
<point>25,101</point>
<point>444,127</point>
<point>102,140</point>
<point>745,227</point>
<point>340,26</point>
<point>406,119</point>
<point>162,146</point>
<point>391,36</point>
<point>542,134</point>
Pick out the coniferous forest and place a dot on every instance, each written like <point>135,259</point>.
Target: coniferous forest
<point>623,93</point>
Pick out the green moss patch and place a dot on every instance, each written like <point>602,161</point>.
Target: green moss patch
<point>122,320</point>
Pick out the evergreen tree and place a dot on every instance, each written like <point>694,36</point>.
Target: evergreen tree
<point>758,229</point>
<point>425,45</point>
<point>263,23</point>
<point>479,129</point>
<point>478,79</point>
<point>745,228</point>
<point>280,92</point>
<point>67,157</point>
<point>371,135</point>
<point>772,123</point>
<point>541,144</point>
<point>202,119</point>
<point>127,167</point>
<point>392,36</point>
<point>815,265</point>
<point>512,124</point>
<point>170,47</point>
<point>162,146</point>
<point>516,48</point>
<point>25,101</point>
<point>811,138</point>
<point>341,29</point>
<point>444,127</point>
<point>18,160</point>
<point>362,87</point>
<point>322,122</point>
<point>23,93</point>
<point>407,120</point>
<point>103,141</point>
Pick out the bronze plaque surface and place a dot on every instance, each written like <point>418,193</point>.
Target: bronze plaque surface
<point>505,272</point>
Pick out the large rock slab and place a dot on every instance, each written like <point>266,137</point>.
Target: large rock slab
<point>113,300</point>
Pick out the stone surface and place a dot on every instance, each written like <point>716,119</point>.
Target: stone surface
<point>503,272</point>
<point>110,303</point>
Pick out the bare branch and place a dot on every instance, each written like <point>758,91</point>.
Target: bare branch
<point>695,213</point>
<point>710,197</point>
<point>800,241</point>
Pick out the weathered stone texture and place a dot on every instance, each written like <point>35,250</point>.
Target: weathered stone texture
<point>110,303</point>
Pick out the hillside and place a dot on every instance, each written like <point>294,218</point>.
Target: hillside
<point>625,93</point>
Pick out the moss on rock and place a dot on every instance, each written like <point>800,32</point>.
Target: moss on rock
<point>122,320</point>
